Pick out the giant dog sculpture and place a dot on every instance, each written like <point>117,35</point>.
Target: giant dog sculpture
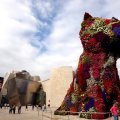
<point>96,84</point>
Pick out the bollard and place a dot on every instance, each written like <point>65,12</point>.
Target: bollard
<point>51,114</point>
<point>38,111</point>
<point>90,115</point>
<point>42,115</point>
<point>68,117</point>
<point>110,116</point>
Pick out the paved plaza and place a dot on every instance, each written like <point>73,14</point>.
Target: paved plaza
<point>35,115</point>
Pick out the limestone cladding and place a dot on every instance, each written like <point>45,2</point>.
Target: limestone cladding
<point>56,87</point>
<point>47,88</point>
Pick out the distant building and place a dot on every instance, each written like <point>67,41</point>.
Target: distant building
<point>56,87</point>
<point>21,88</point>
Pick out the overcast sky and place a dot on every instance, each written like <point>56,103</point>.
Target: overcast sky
<point>39,35</point>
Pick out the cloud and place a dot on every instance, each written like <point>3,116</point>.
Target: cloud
<point>40,35</point>
<point>15,49</point>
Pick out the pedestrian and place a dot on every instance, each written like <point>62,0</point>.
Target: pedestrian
<point>26,107</point>
<point>10,110</point>
<point>44,107</point>
<point>19,109</point>
<point>32,107</point>
<point>40,106</point>
<point>115,111</point>
<point>14,108</point>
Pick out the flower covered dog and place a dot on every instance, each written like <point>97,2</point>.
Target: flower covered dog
<point>96,83</point>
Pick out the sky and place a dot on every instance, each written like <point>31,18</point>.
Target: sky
<point>40,35</point>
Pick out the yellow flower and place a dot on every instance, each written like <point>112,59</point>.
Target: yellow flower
<point>110,33</point>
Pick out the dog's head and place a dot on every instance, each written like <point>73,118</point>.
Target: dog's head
<point>100,35</point>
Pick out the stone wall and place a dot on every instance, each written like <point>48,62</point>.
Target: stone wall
<point>47,89</point>
<point>56,87</point>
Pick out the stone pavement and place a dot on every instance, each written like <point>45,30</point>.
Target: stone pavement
<point>25,115</point>
<point>35,115</point>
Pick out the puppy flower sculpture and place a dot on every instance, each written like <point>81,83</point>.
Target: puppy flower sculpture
<point>96,83</point>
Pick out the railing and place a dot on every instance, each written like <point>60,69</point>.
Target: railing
<point>49,114</point>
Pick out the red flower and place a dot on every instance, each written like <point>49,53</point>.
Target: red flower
<point>107,21</point>
<point>108,97</point>
<point>96,74</point>
<point>85,37</point>
<point>92,41</point>
<point>96,69</point>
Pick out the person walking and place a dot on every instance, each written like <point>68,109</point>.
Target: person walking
<point>19,109</point>
<point>14,108</point>
<point>26,107</point>
<point>115,111</point>
<point>10,110</point>
<point>44,107</point>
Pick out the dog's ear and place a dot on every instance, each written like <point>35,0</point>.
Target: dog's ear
<point>114,19</point>
<point>87,16</point>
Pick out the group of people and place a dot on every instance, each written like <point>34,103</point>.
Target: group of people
<point>42,107</point>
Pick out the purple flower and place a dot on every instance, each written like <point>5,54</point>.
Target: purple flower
<point>69,103</point>
<point>115,25</point>
<point>86,73</point>
<point>90,104</point>
<point>116,31</point>
<point>101,37</point>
